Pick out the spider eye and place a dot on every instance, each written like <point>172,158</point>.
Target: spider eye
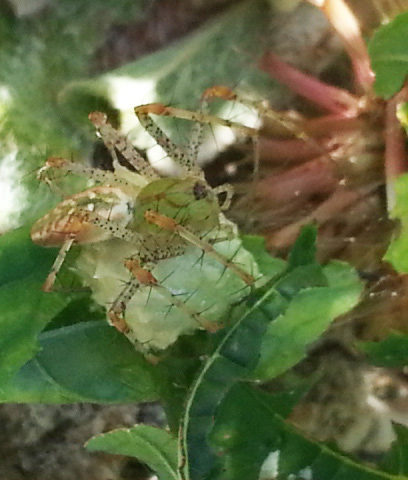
<point>200,191</point>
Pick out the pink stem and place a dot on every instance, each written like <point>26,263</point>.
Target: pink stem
<point>395,152</point>
<point>333,123</point>
<point>298,183</point>
<point>333,99</point>
<point>338,201</point>
<point>294,150</point>
<point>346,26</point>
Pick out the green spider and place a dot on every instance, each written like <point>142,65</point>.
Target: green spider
<point>137,218</point>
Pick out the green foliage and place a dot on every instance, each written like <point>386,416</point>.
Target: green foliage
<point>243,441</point>
<point>309,314</point>
<point>250,425</point>
<point>390,352</point>
<point>153,446</point>
<point>80,358</point>
<point>402,114</point>
<point>396,460</point>
<point>87,362</point>
<point>25,309</point>
<point>244,346</point>
<point>397,253</point>
<point>389,57</point>
<point>233,359</point>
<point>304,250</point>
<point>268,265</point>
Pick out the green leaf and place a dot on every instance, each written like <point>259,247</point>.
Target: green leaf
<point>303,251</point>
<point>26,310</point>
<point>294,296</point>
<point>244,444</point>
<point>233,359</point>
<point>397,253</point>
<point>81,308</point>
<point>244,441</point>
<point>268,265</point>
<point>391,352</point>
<point>308,315</point>
<point>302,277</point>
<point>32,384</point>
<point>150,445</point>
<point>88,361</point>
<point>402,115</point>
<point>237,353</point>
<point>20,258</point>
<point>180,366</point>
<point>389,56</point>
<point>396,460</point>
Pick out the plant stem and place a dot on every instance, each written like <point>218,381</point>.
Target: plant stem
<point>333,99</point>
<point>346,26</point>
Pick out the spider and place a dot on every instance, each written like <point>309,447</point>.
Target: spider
<point>135,219</point>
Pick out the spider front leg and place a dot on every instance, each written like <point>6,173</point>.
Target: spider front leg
<point>263,109</point>
<point>114,141</point>
<point>59,163</point>
<point>201,117</point>
<point>188,158</point>
<point>169,224</point>
<point>283,121</point>
<point>182,157</point>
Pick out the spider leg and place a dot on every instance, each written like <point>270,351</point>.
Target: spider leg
<point>177,153</point>
<point>197,132</point>
<point>140,267</point>
<point>168,223</point>
<point>228,190</point>
<point>50,280</point>
<point>113,140</point>
<point>118,307</point>
<point>285,120</point>
<point>97,174</point>
<point>141,270</point>
<point>188,158</point>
